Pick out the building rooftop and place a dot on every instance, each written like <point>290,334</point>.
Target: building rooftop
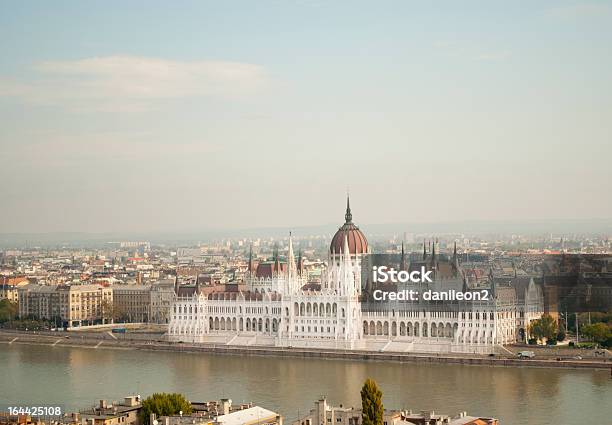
<point>254,415</point>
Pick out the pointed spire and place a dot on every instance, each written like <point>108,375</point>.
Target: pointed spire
<point>433,254</point>
<point>424,250</point>
<point>455,260</point>
<point>291,268</point>
<point>348,217</point>
<point>403,264</point>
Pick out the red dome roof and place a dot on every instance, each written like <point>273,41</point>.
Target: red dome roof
<point>357,242</point>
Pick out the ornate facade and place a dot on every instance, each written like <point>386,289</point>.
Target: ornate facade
<point>280,309</point>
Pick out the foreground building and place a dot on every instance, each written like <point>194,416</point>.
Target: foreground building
<point>122,413</point>
<point>324,414</point>
<point>223,413</point>
<point>281,309</point>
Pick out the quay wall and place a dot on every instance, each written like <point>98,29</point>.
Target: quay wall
<point>126,342</point>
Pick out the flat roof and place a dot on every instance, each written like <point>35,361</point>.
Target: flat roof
<point>252,415</point>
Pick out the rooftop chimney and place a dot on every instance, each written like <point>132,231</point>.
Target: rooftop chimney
<point>131,401</point>
<point>226,404</point>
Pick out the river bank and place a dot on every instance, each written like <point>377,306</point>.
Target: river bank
<point>129,343</point>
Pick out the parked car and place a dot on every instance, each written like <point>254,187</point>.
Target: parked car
<point>526,354</point>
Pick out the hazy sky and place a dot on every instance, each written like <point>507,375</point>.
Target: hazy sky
<point>171,116</point>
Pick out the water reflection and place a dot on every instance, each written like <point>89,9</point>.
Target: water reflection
<point>77,377</point>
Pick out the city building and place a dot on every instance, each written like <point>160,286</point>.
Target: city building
<point>70,305</point>
<point>39,301</point>
<point>223,413</point>
<point>123,413</point>
<point>279,308</point>
<point>324,414</point>
<point>83,305</point>
<point>9,292</point>
<point>132,303</point>
<point>162,297</point>
<point>9,287</point>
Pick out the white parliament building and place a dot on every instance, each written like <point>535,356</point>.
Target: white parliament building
<point>280,309</point>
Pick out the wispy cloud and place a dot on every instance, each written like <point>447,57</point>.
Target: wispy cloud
<point>132,82</point>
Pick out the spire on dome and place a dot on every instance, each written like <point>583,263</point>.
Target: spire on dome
<point>357,242</point>
<point>348,217</point>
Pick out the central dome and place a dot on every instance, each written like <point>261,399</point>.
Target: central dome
<point>357,242</point>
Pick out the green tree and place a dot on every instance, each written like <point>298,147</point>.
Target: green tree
<point>8,311</point>
<point>371,404</point>
<point>544,328</point>
<point>163,404</point>
<point>598,332</point>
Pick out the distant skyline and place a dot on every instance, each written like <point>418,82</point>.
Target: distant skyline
<point>153,116</point>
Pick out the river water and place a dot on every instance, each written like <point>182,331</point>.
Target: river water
<point>77,377</point>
